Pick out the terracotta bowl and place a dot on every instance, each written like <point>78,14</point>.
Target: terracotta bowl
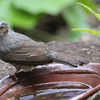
<point>54,81</point>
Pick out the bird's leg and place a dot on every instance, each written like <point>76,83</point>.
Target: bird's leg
<point>15,74</point>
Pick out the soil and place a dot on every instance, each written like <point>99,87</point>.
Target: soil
<point>80,50</point>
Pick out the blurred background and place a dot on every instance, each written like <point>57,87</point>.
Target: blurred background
<point>49,20</point>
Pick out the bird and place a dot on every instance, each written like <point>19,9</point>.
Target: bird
<point>25,53</point>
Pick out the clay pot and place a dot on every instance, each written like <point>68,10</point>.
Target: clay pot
<point>84,79</point>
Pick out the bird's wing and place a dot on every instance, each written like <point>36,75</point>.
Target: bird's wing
<point>36,53</point>
<point>28,52</point>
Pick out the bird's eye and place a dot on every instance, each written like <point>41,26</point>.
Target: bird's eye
<point>4,29</point>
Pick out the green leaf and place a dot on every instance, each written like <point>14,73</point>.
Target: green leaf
<point>95,14</point>
<point>89,3</point>
<point>98,9</point>
<point>86,7</point>
<point>52,7</point>
<point>87,30</point>
<point>23,20</point>
<point>16,17</point>
<point>5,10</point>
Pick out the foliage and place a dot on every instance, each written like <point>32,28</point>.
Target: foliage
<point>26,14</point>
<point>76,17</point>
<point>87,30</point>
<point>97,15</point>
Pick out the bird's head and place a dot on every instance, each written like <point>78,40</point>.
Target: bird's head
<point>3,28</point>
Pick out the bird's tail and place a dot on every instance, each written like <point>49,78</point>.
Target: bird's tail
<point>65,59</point>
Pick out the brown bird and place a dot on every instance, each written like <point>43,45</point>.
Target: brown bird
<point>24,53</point>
